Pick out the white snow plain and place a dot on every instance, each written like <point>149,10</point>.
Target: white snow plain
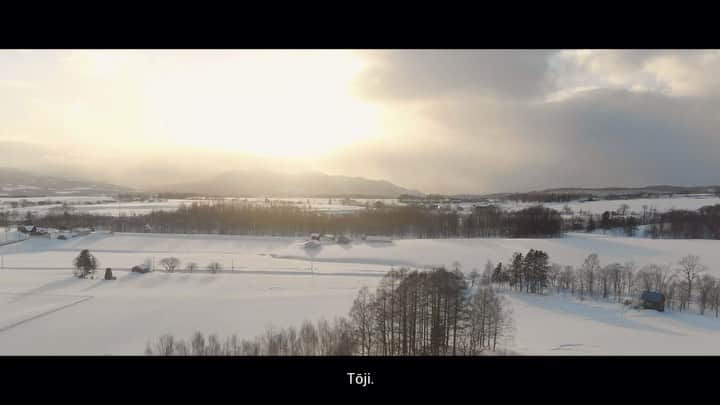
<point>690,202</point>
<point>274,281</point>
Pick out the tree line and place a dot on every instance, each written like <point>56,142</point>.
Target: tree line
<point>686,285</point>
<point>285,220</point>
<point>703,223</point>
<point>278,219</point>
<point>431,312</point>
<point>548,197</point>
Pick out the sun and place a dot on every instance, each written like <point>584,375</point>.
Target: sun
<point>267,103</point>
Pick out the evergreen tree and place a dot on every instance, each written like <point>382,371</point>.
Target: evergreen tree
<point>85,264</point>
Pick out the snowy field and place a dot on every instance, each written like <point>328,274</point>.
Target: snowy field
<point>636,205</point>
<point>554,325</point>
<point>274,281</point>
<point>90,204</point>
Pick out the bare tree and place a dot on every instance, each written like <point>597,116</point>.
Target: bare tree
<point>554,276</point>
<point>197,344</point>
<point>706,285</point>
<point>361,314</point>
<point>165,345</point>
<point>214,267</point>
<point>309,340</point>
<point>690,269</point>
<point>213,348</point>
<point>170,263</point>
<point>590,269</point>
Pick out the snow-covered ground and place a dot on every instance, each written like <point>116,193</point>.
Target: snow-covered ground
<point>99,205</point>
<point>44,310</point>
<point>89,204</point>
<point>119,317</point>
<point>555,325</point>
<point>691,202</point>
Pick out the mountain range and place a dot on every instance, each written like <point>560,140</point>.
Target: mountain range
<point>19,183</point>
<point>264,183</point>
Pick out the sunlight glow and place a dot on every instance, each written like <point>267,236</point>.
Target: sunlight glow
<point>282,103</point>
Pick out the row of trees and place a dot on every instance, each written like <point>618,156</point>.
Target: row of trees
<point>548,197</point>
<point>411,312</point>
<point>613,220</point>
<point>172,264</point>
<point>703,223</point>
<point>686,284</point>
<point>429,313</point>
<point>492,221</point>
<point>238,217</point>
<point>321,339</point>
<point>286,220</point>
<point>85,265</point>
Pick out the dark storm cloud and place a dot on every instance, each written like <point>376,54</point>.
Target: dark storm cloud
<point>417,74</point>
<point>500,132</point>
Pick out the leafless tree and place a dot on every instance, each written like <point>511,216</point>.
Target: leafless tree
<point>170,263</point>
<point>690,269</point>
<point>706,285</point>
<point>214,267</point>
<point>590,269</point>
<point>361,314</point>
<point>197,344</point>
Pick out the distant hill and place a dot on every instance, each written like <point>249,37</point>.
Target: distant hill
<point>602,192</point>
<point>19,183</point>
<point>263,183</point>
<point>658,189</point>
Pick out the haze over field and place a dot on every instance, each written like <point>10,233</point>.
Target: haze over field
<point>435,121</point>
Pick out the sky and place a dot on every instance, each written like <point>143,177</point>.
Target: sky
<point>441,121</point>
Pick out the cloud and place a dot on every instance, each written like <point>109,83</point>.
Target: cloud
<point>422,74</point>
<point>600,137</point>
<point>519,120</point>
<point>675,73</point>
<point>453,121</point>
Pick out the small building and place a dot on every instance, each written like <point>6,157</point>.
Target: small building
<point>652,300</point>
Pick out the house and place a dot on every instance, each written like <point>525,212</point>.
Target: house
<point>652,300</point>
<point>314,236</point>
